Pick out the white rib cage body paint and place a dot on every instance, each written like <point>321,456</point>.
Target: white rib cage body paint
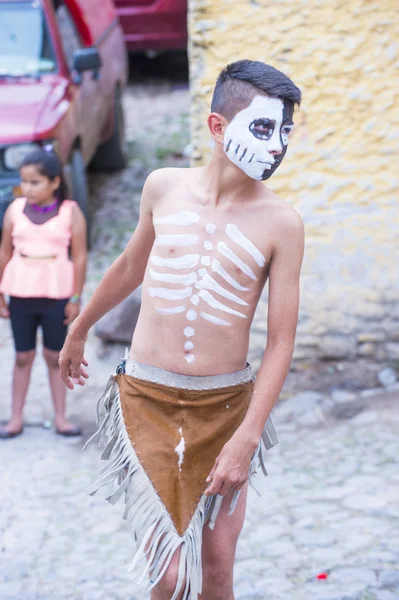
<point>200,286</point>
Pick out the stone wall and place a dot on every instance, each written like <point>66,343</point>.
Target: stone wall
<point>341,172</point>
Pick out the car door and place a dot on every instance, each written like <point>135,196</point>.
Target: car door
<point>89,109</point>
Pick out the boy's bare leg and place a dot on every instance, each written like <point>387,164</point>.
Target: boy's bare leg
<point>20,384</point>
<point>167,585</point>
<point>219,549</point>
<point>218,554</point>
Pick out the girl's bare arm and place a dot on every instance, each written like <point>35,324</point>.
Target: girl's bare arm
<point>78,250</point>
<point>6,250</point>
<point>79,260</point>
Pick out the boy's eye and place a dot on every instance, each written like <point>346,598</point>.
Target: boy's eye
<point>262,129</point>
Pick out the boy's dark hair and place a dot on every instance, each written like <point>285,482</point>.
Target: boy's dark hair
<point>48,163</point>
<point>241,81</point>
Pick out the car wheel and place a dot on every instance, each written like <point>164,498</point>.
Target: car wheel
<point>112,155</point>
<point>78,184</point>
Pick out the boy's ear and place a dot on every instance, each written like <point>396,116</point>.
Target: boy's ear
<point>217,126</point>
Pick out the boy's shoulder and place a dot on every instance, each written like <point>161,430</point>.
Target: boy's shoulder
<point>284,216</point>
<point>169,176</point>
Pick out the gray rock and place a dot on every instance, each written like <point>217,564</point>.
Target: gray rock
<point>389,578</point>
<point>343,396</point>
<point>118,325</point>
<point>338,347</point>
<point>387,377</point>
<point>299,404</point>
<point>384,595</point>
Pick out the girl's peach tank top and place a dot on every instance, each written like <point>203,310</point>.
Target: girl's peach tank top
<point>40,265</point>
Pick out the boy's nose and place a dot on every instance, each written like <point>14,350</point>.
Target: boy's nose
<point>275,146</point>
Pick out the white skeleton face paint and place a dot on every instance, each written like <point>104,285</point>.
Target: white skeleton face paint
<point>257,137</point>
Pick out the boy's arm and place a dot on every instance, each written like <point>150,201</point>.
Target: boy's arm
<point>120,280</point>
<point>232,466</point>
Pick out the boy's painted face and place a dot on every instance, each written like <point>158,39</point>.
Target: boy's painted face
<point>257,137</point>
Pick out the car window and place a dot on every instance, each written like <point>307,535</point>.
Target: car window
<point>25,46</point>
<point>69,34</point>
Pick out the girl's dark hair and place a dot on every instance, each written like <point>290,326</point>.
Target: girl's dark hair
<point>241,81</point>
<point>48,163</point>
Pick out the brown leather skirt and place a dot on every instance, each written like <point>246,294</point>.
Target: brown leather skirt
<point>161,441</point>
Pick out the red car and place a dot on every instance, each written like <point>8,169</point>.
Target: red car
<point>154,25</point>
<point>63,67</point>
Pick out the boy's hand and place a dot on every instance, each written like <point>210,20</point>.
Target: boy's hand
<point>231,469</point>
<point>71,360</point>
<point>4,311</point>
<point>72,310</point>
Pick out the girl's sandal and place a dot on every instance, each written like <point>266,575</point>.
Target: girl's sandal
<point>7,435</point>
<point>71,432</point>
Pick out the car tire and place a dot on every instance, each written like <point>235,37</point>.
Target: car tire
<point>78,185</point>
<point>79,182</point>
<point>112,154</point>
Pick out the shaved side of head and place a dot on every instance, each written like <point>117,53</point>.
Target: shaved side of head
<point>239,83</point>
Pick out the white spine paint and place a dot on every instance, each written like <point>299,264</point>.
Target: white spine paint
<point>188,279</point>
<point>188,345</point>
<point>180,448</point>
<point>176,239</point>
<point>241,240</point>
<point>191,314</point>
<point>229,254</point>
<point>210,284</point>
<point>189,331</point>
<point>210,228</point>
<point>183,217</point>
<point>206,261</point>
<point>217,268</point>
<point>190,358</point>
<point>208,245</point>
<point>202,272</point>
<point>166,294</point>
<point>195,300</point>
<point>170,311</point>
<point>188,261</point>
<point>209,299</point>
<point>213,319</point>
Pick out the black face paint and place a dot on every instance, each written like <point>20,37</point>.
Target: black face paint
<point>257,134</point>
<point>288,113</point>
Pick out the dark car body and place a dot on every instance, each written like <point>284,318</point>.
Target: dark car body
<point>63,66</point>
<point>153,25</point>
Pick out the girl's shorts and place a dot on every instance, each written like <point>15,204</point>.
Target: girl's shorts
<point>27,314</point>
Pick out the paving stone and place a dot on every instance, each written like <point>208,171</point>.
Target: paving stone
<point>389,578</point>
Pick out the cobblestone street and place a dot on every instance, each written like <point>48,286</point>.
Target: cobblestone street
<point>329,505</point>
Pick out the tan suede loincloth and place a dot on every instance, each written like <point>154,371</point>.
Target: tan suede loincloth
<point>162,441</point>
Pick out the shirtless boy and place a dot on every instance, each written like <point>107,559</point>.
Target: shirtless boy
<point>183,424</point>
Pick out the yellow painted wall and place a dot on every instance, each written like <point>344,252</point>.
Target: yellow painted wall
<point>341,171</point>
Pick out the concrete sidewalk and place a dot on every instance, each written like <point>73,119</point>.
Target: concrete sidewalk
<point>329,505</point>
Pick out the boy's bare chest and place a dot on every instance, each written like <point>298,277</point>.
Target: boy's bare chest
<point>209,250</point>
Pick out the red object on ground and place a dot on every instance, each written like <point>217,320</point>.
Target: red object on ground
<point>153,24</point>
<point>322,576</point>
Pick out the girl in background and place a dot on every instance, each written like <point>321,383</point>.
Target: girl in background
<point>44,286</point>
